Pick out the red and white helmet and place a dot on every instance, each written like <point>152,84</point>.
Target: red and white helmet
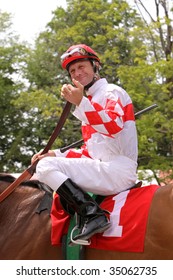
<point>78,52</point>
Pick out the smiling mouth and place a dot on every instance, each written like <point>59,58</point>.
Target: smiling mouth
<point>83,80</point>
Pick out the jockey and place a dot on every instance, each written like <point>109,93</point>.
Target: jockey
<point>107,162</point>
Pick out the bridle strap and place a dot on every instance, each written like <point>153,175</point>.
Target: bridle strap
<point>27,174</point>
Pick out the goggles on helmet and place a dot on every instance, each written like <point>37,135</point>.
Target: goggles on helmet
<point>77,53</point>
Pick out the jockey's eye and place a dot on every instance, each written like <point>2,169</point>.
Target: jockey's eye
<point>81,67</point>
<point>72,72</point>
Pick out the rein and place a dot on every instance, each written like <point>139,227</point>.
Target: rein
<point>27,174</point>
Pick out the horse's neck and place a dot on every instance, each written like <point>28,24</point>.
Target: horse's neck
<point>3,186</point>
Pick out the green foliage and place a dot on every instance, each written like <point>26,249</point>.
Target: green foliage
<point>10,58</point>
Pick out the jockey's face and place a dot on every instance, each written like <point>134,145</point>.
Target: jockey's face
<point>82,71</point>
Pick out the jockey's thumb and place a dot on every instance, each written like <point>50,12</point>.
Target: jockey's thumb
<point>77,84</point>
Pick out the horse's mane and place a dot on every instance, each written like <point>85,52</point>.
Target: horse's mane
<point>29,183</point>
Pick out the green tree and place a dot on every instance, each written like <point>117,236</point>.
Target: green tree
<point>11,54</point>
<point>150,80</point>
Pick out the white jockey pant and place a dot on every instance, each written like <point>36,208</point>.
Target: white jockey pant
<point>98,177</point>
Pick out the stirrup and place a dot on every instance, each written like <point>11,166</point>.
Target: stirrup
<point>78,241</point>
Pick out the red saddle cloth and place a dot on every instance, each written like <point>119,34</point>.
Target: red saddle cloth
<point>129,214</point>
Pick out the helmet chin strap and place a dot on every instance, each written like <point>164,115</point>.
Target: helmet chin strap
<point>95,78</point>
<point>96,75</point>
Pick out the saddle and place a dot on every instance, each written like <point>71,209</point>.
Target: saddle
<point>71,252</point>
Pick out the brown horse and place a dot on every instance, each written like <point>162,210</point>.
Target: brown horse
<point>26,235</point>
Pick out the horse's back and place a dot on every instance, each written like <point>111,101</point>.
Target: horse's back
<point>27,235</point>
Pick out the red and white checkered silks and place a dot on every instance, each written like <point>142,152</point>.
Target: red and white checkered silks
<point>108,124</point>
<point>106,164</point>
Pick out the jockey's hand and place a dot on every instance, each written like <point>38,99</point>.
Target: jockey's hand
<point>71,93</point>
<point>38,155</point>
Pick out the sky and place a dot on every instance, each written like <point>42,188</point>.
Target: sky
<point>29,17</point>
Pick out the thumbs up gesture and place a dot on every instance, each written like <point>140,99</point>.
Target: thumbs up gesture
<point>71,93</point>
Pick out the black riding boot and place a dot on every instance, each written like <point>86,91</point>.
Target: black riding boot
<point>95,220</point>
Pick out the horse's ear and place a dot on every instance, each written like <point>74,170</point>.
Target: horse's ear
<point>7,177</point>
